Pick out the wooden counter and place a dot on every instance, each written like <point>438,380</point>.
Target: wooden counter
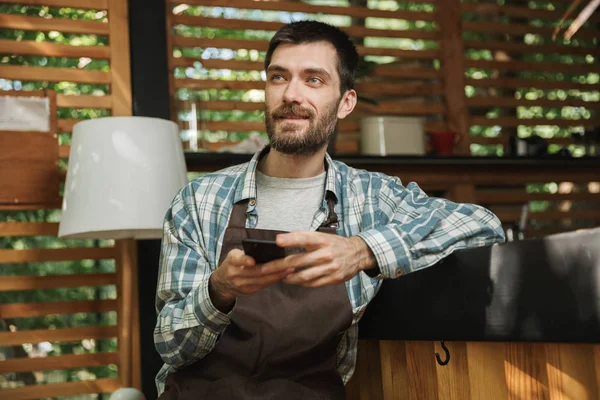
<point>521,298</point>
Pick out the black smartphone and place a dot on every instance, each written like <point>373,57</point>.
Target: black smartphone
<point>262,250</point>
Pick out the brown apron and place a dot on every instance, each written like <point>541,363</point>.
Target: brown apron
<point>282,340</point>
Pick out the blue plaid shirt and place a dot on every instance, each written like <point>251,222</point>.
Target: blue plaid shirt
<point>406,230</point>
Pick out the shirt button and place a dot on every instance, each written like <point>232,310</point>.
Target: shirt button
<point>398,273</point>
<point>252,202</point>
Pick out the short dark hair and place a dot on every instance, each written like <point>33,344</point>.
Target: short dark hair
<point>313,31</point>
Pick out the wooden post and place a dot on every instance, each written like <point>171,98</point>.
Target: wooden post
<point>126,261</point>
<point>453,71</point>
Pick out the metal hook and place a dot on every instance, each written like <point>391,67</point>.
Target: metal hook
<point>437,356</point>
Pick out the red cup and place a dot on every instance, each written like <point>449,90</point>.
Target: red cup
<point>443,142</point>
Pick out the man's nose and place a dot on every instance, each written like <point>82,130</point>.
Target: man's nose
<point>293,92</point>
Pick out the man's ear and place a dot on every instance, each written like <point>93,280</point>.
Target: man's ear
<point>347,104</point>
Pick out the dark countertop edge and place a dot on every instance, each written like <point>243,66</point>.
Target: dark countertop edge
<point>199,159</point>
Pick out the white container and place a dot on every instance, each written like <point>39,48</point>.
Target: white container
<point>384,136</point>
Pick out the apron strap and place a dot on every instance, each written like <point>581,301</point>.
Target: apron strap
<point>332,218</point>
<point>238,214</point>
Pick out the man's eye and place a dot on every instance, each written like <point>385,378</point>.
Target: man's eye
<point>276,77</point>
<point>315,81</point>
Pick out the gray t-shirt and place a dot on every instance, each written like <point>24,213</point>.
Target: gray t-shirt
<point>288,204</point>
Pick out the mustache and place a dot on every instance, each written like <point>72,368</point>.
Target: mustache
<point>292,110</point>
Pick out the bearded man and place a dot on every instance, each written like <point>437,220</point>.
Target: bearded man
<point>230,328</point>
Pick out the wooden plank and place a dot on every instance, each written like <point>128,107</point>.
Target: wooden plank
<point>66,125</point>
<point>452,58</point>
<point>262,45</point>
<point>525,376</point>
<point>570,369</point>
<point>28,168</point>
<point>394,371</point>
<point>21,22</point>
<point>47,49</point>
<point>84,101</point>
<point>9,283</point>
<point>597,364</point>
<point>378,88</point>
<point>515,214</point>
<point>245,24</point>
<point>517,197</point>
<point>515,11</point>
<point>40,255</point>
<point>486,371</point>
<point>64,150</point>
<point>120,72</point>
<point>351,11</point>
<point>423,381</point>
<point>515,121</point>
<point>368,370</point>
<point>11,229</point>
<point>519,29</point>
<point>57,335</point>
<point>530,83</point>
<point>493,101</point>
<point>528,48</point>
<point>503,140</point>
<point>574,68</point>
<point>399,71</point>
<point>58,362</point>
<point>453,378</point>
<point>104,385</point>
<point>126,263</point>
<point>78,4</point>
<point>22,310</point>
<point>45,74</point>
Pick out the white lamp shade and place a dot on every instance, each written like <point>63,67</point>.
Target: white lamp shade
<point>123,174</point>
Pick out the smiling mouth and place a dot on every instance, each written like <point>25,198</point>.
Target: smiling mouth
<point>294,117</point>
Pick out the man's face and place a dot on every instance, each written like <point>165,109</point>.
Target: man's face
<point>302,97</point>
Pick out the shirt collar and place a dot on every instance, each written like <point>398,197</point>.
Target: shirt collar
<point>248,188</point>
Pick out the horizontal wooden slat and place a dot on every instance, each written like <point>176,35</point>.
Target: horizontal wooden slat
<point>23,310</point>
<point>40,255</point>
<point>11,229</point>
<point>492,101</point>
<point>57,335</point>
<point>514,47</point>
<point>11,21</point>
<point>262,45</point>
<point>8,283</point>
<point>66,125</point>
<point>396,108</point>
<point>244,24</point>
<point>351,11</point>
<point>79,4</point>
<point>510,196</point>
<point>515,11</point>
<point>519,29</point>
<point>53,74</point>
<point>513,121</point>
<point>530,83</point>
<point>104,385</point>
<point>31,48</point>
<point>84,101</point>
<point>503,140</point>
<point>534,66</point>
<point>58,362</point>
<point>512,215</point>
<point>376,88</point>
<point>64,150</point>
<point>383,71</point>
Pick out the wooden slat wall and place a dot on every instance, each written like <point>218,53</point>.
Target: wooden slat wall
<point>407,83</point>
<point>486,100</point>
<point>111,96</point>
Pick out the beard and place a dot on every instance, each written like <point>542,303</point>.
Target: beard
<point>292,139</point>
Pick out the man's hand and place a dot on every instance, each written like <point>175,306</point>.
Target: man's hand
<point>331,259</point>
<point>238,276</point>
